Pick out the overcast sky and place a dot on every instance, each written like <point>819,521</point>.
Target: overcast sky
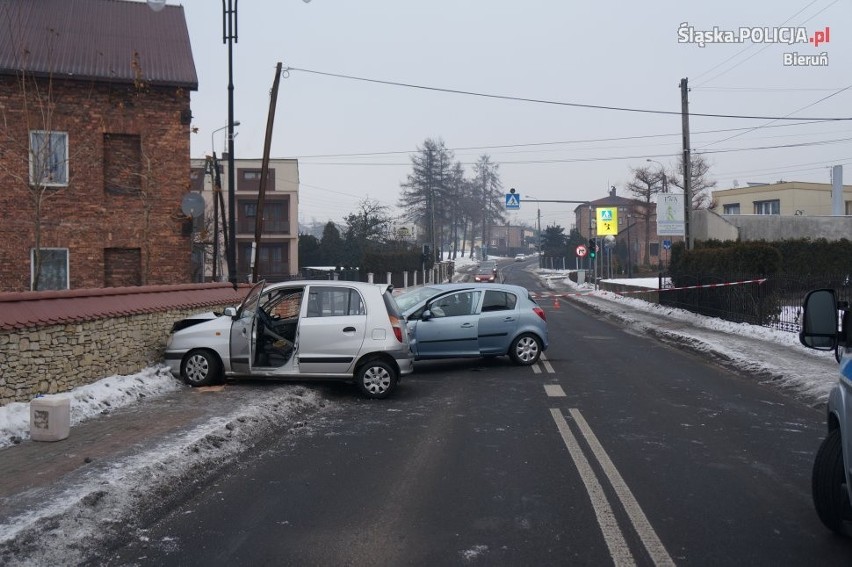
<point>615,54</point>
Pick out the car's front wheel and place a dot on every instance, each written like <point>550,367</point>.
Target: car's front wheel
<point>525,350</point>
<point>376,379</point>
<point>828,483</point>
<point>201,368</point>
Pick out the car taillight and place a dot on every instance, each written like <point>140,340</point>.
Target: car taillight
<point>396,323</point>
<point>540,312</point>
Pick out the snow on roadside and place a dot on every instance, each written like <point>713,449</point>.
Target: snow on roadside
<point>91,400</point>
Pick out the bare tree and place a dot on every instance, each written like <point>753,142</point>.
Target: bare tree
<point>35,154</point>
<point>645,185</point>
<point>700,184</point>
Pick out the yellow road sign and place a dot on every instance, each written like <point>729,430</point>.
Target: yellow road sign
<point>607,220</point>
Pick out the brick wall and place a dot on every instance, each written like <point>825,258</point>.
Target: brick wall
<point>85,217</point>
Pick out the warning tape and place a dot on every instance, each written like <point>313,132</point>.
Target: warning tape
<point>547,295</point>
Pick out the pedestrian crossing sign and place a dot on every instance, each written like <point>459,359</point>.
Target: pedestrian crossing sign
<point>607,221</point>
<point>513,201</point>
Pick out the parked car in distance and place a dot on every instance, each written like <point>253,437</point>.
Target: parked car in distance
<point>520,257</point>
<point>301,330</point>
<point>485,275</point>
<point>464,321</point>
<point>830,479</point>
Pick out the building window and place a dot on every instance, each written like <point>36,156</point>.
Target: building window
<point>273,258</point>
<point>767,207</point>
<point>122,164</point>
<point>54,269</point>
<point>732,209</point>
<point>196,179</point>
<point>248,179</point>
<point>48,158</point>
<point>275,217</point>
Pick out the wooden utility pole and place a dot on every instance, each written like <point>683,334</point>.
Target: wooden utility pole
<point>687,162</point>
<point>264,174</point>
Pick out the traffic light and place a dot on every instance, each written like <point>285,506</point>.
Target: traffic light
<point>593,248</point>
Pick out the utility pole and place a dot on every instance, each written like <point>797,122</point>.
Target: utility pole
<point>264,174</point>
<point>687,162</point>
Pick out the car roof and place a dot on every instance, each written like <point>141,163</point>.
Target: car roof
<point>327,283</point>
<point>460,286</point>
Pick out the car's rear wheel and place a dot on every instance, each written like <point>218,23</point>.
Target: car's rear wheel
<point>828,483</point>
<point>201,368</point>
<point>525,349</point>
<point>376,379</point>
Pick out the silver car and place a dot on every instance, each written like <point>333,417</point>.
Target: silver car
<point>474,320</point>
<point>302,330</point>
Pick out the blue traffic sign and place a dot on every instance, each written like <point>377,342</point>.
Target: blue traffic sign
<point>667,244</point>
<point>513,201</point>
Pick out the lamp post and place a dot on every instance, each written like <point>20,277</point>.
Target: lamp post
<point>229,36</point>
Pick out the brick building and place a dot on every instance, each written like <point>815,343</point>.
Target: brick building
<point>94,144</point>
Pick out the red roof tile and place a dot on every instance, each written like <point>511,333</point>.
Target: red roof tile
<point>39,308</point>
<point>97,40</point>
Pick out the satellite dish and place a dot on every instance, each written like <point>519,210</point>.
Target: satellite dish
<point>156,5</point>
<point>192,205</point>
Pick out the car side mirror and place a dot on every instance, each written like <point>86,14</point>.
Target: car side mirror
<point>426,315</point>
<point>230,312</point>
<point>819,320</point>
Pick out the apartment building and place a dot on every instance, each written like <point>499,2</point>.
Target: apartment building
<point>278,253</point>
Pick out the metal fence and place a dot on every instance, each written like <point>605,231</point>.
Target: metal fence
<point>774,301</point>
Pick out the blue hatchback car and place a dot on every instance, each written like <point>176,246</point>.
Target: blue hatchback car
<point>469,321</point>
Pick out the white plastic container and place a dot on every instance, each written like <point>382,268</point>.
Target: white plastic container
<point>50,418</point>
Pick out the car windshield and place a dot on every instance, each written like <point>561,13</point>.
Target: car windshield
<point>411,298</point>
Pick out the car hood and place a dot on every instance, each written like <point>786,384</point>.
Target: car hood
<point>206,319</point>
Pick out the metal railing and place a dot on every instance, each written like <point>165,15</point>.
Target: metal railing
<point>774,301</point>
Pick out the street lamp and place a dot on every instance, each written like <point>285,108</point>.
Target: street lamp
<point>212,144</point>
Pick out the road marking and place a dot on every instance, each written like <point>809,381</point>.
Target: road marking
<point>554,390</point>
<point>640,522</point>
<point>618,549</point>
<point>544,363</point>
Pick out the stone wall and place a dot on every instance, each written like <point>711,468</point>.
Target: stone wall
<point>52,342</point>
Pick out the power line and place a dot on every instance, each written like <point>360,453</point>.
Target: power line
<point>539,144</point>
<point>558,103</point>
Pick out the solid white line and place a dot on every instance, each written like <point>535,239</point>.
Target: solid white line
<point>643,527</point>
<point>536,369</point>
<point>618,549</point>
<point>554,390</point>
<point>549,367</point>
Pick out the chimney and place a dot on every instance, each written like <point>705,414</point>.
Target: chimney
<point>612,191</point>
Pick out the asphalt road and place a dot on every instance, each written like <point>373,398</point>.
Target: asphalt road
<point>615,450</point>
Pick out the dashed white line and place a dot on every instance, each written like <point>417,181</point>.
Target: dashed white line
<point>554,390</point>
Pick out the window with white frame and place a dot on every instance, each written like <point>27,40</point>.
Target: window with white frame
<point>54,269</point>
<point>732,209</point>
<point>48,158</point>
<point>772,207</point>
